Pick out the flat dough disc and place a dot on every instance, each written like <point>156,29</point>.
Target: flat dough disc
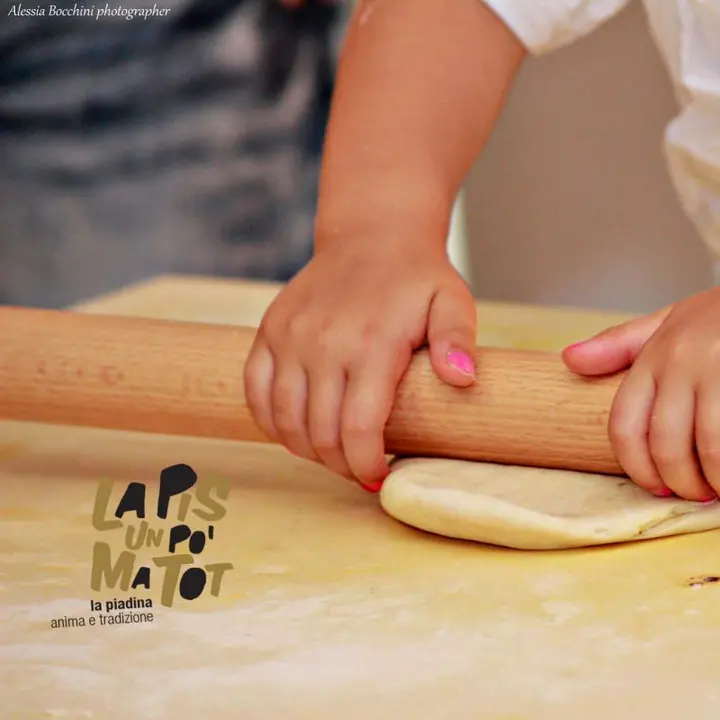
<point>532,508</point>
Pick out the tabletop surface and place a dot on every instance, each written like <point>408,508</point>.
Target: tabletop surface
<point>331,608</point>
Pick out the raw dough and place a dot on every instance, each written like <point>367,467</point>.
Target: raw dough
<point>532,508</point>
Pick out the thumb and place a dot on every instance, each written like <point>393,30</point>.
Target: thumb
<point>613,349</point>
<point>452,323</point>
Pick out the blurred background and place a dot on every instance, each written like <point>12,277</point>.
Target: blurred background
<point>190,142</point>
<point>571,202</point>
<point>186,142</point>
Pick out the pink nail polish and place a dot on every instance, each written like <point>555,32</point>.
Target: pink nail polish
<point>372,487</point>
<point>461,361</point>
<point>664,493</point>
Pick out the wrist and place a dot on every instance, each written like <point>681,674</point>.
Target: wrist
<point>400,211</point>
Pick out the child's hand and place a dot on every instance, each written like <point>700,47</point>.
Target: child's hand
<point>665,420</point>
<point>323,371</point>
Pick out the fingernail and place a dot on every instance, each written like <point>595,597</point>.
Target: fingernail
<point>374,487</point>
<point>664,493</point>
<point>710,498</point>
<point>461,361</point>
<point>576,345</point>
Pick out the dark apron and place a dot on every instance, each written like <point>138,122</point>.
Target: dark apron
<point>186,143</point>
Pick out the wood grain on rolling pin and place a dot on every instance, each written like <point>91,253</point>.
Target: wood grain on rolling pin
<point>181,378</point>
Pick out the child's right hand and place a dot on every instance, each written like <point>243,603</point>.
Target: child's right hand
<point>322,375</point>
<point>412,108</point>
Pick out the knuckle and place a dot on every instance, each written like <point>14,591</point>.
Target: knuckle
<point>299,326</point>
<point>256,357</point>
<point>352,344</point>
<point>253,383</point>
<point>370,334</point>
<point>680,352</point>
<point>326,440</point>
<point>666,454</point>
<point>360,427</point>
<point>621,435</point>
<point>708,452</point>
<point>285,418</point>
<point>283,399</point>
<point>326,341</point>
<point>286,425</point>
<point>272,326</point>
<point>667,461</point>
<point>664,443</point>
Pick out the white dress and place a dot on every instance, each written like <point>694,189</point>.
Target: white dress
<point>687,33</point>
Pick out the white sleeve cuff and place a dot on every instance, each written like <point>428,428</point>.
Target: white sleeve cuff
<point>547,25</point>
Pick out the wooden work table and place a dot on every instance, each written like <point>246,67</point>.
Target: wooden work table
<point>332,609</point>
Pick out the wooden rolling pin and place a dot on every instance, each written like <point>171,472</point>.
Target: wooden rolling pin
<point>182,378</point>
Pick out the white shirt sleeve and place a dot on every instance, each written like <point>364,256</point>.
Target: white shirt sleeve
<point>546,25</point>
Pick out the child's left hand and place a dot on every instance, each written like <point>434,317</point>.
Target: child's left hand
<point>665,420</point>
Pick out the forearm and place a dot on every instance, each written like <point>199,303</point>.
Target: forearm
<point>420,86</point>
